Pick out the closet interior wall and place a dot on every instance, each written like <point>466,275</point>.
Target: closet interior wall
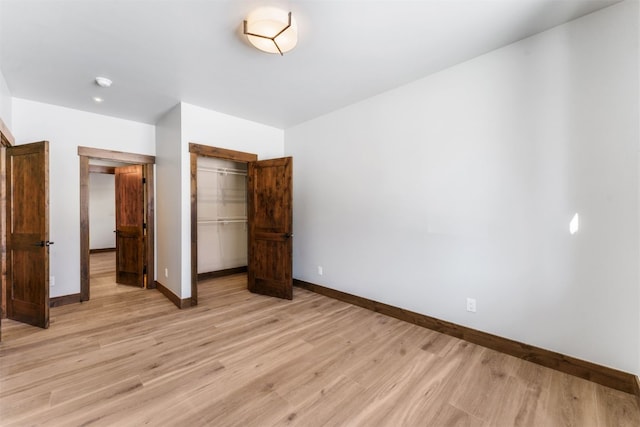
<point>222,214</point>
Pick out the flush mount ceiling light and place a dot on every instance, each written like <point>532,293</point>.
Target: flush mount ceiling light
<point>271,30</point>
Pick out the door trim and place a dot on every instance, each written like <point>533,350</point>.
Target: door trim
<point>87,153</point>
<point>6,140</point>
<point>205,151</point>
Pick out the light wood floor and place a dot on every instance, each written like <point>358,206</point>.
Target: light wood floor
<point>129,357</point>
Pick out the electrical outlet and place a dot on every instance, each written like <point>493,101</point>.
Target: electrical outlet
<point>52,280</point>
<point>320,270</point>
<point>471,305</point>
<point>166,272</point>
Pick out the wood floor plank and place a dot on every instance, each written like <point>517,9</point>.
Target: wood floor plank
<point>250,405</point>
<point>524,396</point>
<point>489,377</point>
<point>378,403</point>
<point>323,407</point>
<point>423,386</point>
<point>571,402</point>
<point>448,415</point>
<point>617,408</point>
<point>130,357</point>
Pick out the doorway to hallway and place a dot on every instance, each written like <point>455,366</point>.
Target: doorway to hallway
<point>142,253</point>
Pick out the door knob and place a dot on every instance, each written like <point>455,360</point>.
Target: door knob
<point>42,243</point>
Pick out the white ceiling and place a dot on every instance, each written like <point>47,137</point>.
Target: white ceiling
<point>160,52</point>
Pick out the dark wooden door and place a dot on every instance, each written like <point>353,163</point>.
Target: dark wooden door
<point>27,173</point>
<point>130,226</point>
<point>270,227</point>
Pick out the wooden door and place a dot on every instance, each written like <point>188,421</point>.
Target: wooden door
<point>270,227</point>
<point>130,226</point>
<point>27,174</point>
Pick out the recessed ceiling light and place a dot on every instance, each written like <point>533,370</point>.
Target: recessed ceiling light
<point>98,99</point>
<point>103,82</point>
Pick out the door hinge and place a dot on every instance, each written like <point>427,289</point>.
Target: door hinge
<point>144,180</point>
<point>144,270</point>
<point>144,226</point>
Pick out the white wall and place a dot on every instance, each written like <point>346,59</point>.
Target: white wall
<point>5,103</point>
<point>66,129</point>
<point>102,211</point>
<point>183,124</point>
<point>208,127</point>
<point>463,184</point>
<point>168,201</point>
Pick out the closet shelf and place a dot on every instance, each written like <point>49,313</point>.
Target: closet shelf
<point>223,171</point>
<point>230,220</point>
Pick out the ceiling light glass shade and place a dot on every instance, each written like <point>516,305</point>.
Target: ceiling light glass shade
<point>271,30</point>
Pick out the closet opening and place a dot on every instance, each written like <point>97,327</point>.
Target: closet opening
<point>218,213</point>
<point>222,217</point>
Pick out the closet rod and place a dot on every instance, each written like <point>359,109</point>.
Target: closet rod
<point>225,171</point>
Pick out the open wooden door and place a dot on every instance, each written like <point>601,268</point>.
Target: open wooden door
<point>130,226</point>
<point>27,174</point>
<point>270,227</point>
